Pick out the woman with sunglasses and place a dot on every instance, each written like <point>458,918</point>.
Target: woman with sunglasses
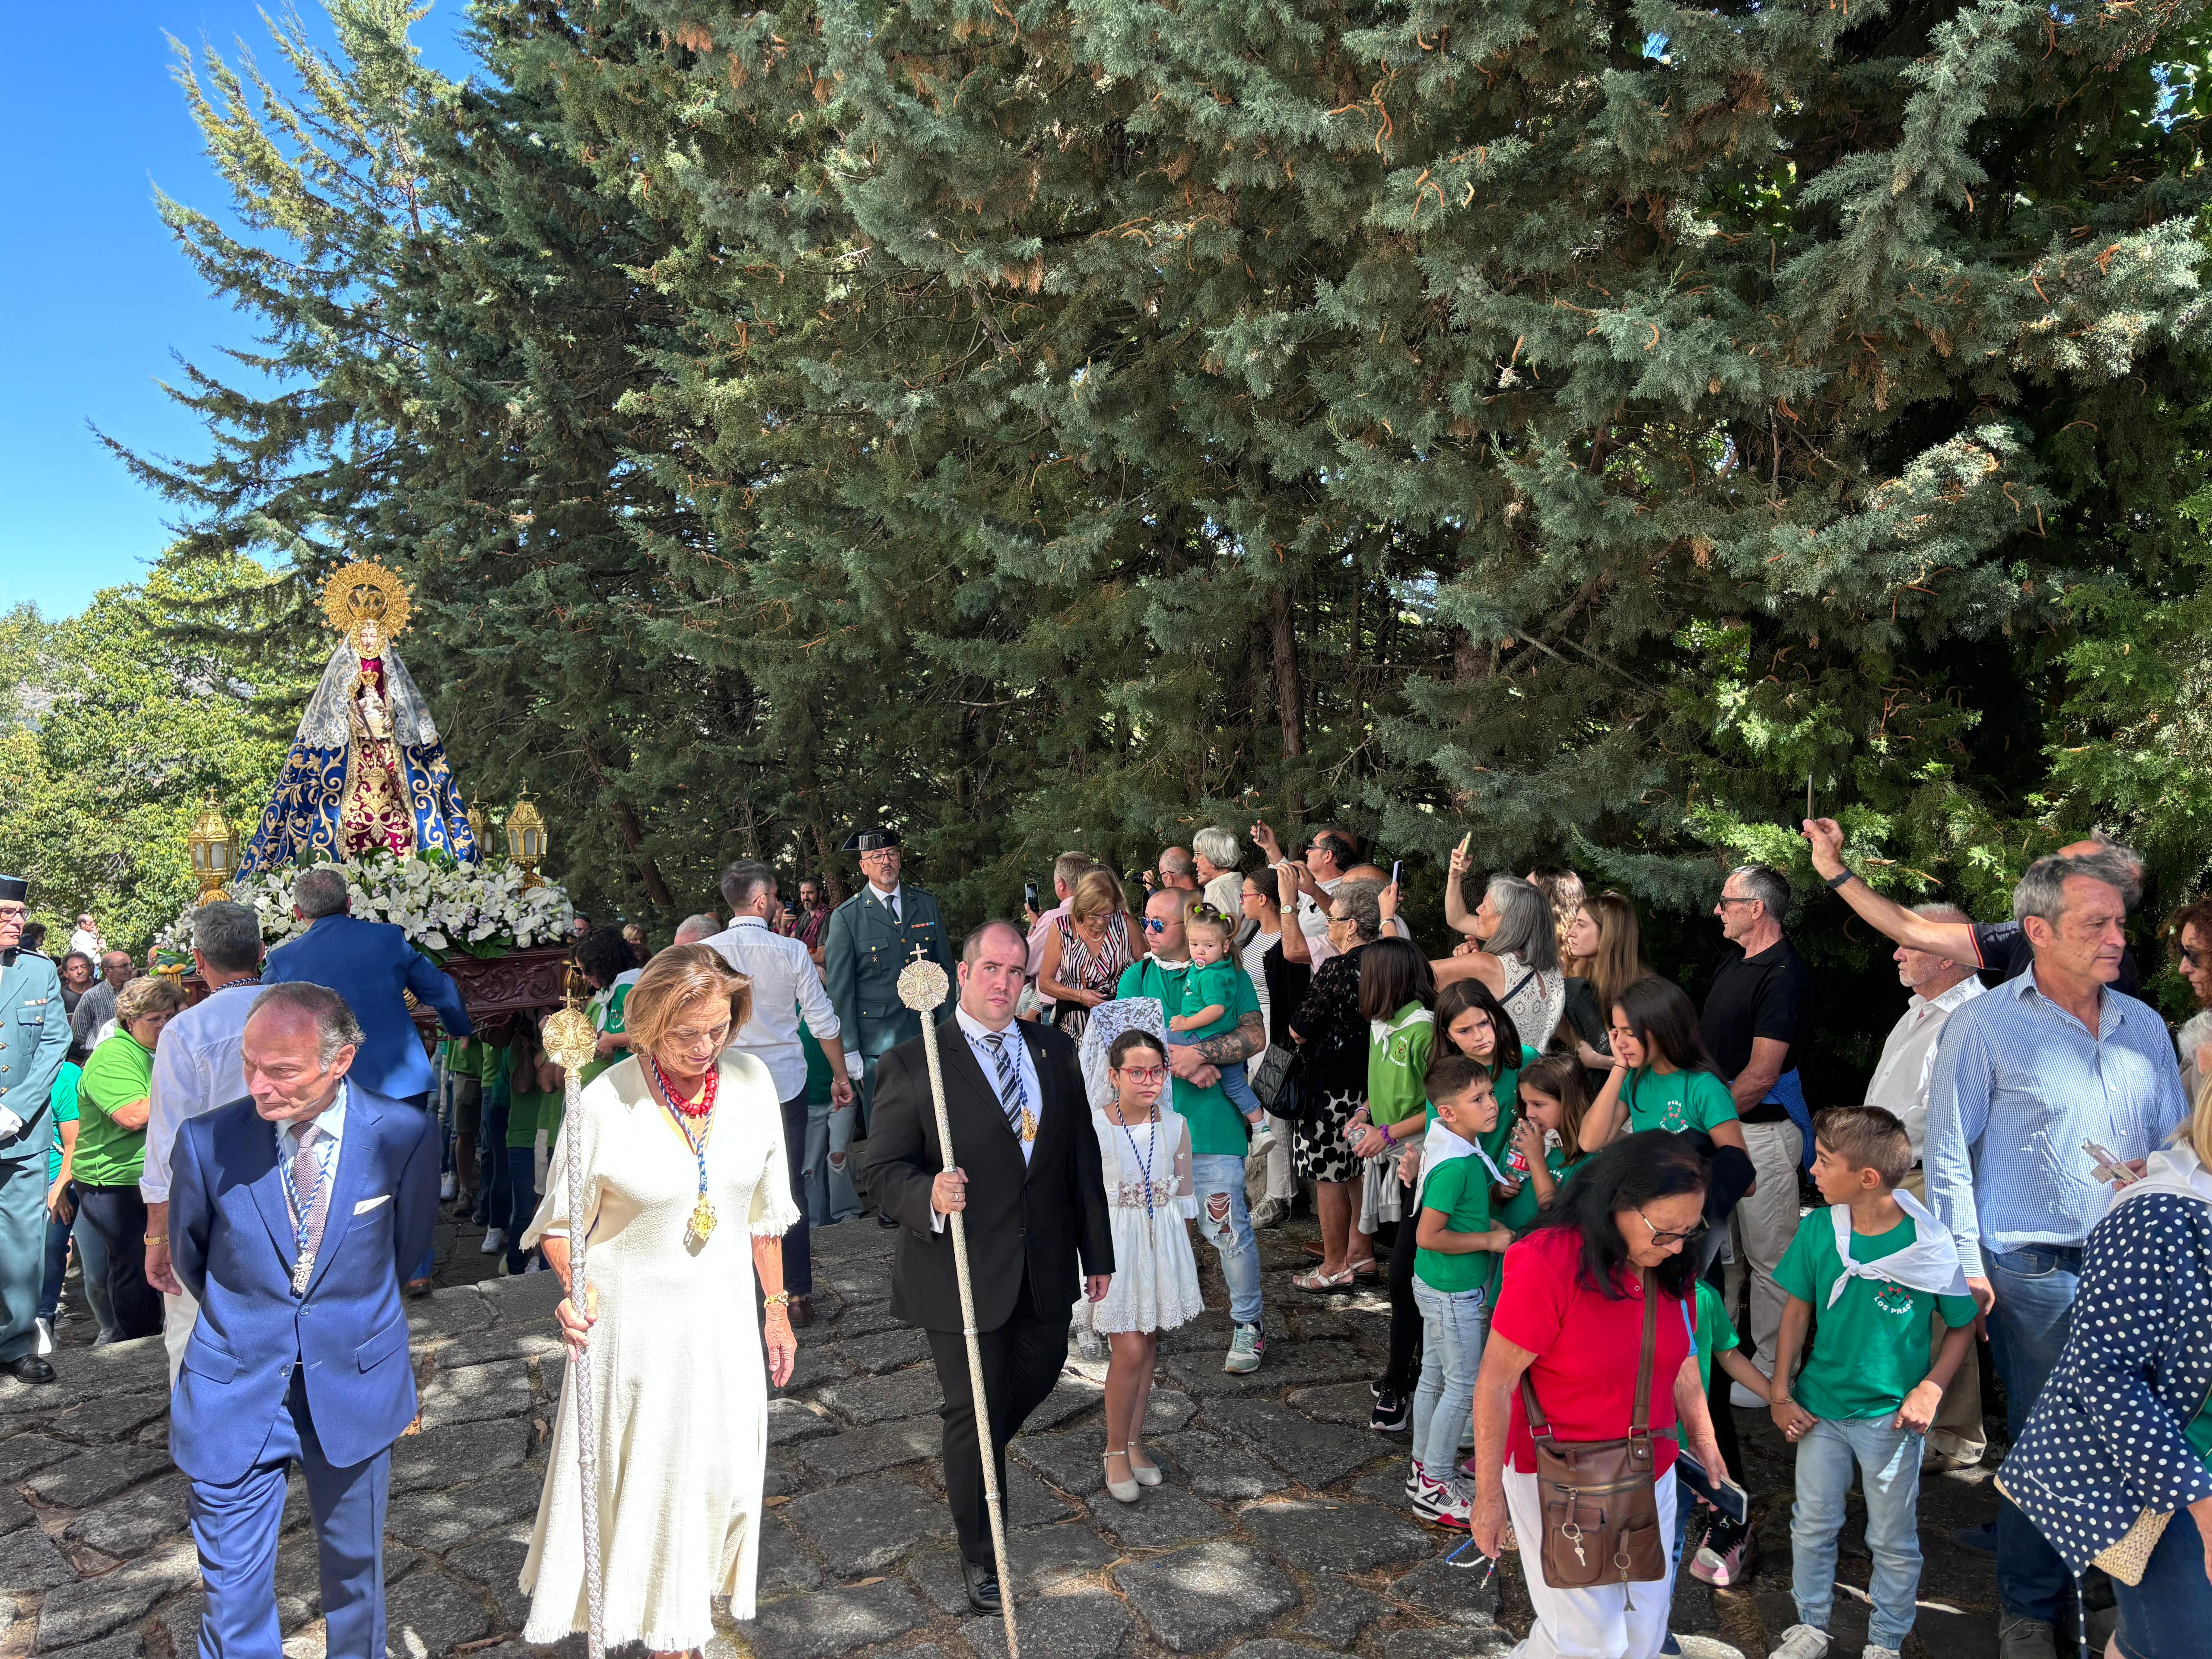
<point>1144,1148</point>
<point>1569,1318</point>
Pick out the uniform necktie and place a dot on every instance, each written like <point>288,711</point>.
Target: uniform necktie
<point>311,1197</point>
<point>890,903</point>
<point>1013,1097</point>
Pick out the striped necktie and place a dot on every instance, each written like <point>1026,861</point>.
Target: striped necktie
<point>1013,1097</point>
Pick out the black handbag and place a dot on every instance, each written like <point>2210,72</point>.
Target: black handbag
<point>1273,1075</point>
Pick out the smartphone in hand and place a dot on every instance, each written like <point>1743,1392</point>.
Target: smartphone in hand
<point>2108,1167</point>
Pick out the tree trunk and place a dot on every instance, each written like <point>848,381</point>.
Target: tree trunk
<point>1290,698</point>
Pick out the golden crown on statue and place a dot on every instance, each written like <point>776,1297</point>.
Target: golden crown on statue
<point>368,603</point>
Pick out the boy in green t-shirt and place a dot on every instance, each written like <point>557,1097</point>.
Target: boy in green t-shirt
<point>1458,1243</point>
<point>1870,1389</point>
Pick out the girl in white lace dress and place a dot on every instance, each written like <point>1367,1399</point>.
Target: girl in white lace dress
<point>1144,1148</point>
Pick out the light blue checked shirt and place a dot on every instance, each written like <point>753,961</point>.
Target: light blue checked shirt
<point>2019,1084</point>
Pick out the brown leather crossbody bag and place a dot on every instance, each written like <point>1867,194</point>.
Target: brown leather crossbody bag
<point>1600,1512</point>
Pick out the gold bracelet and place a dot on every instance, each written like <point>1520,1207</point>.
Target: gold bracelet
<point>157,1238</point>
<point>781,1299</point>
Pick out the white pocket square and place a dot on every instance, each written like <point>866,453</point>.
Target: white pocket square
<point>367,1204</point>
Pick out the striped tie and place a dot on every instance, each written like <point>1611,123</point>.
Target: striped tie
<point>311,1204</point>
<point>1013,1098</point>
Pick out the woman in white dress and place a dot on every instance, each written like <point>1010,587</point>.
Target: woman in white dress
<point>1144,1147</point>
<point>683,1151</point>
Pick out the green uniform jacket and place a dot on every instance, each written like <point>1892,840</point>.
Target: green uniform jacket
<point>863,954</point>
<point>35,1037</point>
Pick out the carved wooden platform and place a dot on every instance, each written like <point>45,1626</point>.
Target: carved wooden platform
<point>493,990</point>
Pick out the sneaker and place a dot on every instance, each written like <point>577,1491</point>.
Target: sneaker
<point>494,1241</point>
<point>1272,1212</point>
<point>46,1337</point>
<point>2026,1638</point>
<point>1720,1560</point>
<point>1262,1137</point>
<point>1414,1477</point>
<point>1802,1642</point>
<point>1245,1349</point>
<point>535,1265</point>
<point>1391,1413</point>
<point>1441,1504</point>
<point>1870,1651</point>
<point>445,1187</point>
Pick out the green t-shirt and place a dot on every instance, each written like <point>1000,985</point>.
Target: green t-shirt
<point>529,1110</point>
<point>1715,1333</point>
<point>119,1072</point>
<point>1459,1187</point>
<point>1872,1348</point>
<point>1397,1063</point>
<point>2199,1433</point>
<point>64,1110</point>
<point>605,1009</point>
<point>1520,1212</point>
<point>1217,1128</point>
<point>818,1068</point>
<point>1205,987</point>
<point>1676,1101</point>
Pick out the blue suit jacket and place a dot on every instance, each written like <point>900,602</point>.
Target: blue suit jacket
<point>231,1242</point>
<point>369,964</point>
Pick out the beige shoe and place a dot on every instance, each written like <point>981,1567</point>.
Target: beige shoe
<point>1147,1473</point>
<point>1121,1492</point>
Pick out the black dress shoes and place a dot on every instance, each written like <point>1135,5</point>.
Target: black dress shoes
<point>884,1221</point>
<point>801,1312</point>
<point>32,1369</point>
<point>982,1587</point>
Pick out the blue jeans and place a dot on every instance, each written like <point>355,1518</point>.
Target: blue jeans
<point>814,1164</point>
<point>1454,1325</point>
<point>49,1291</point>
<point>1238,1088</point>
<point>91,1265</point>
<point>2165,1616</point>
<point>521,1203</point>
<point>1217,1181</point>
<point>492,1194</point>
<point>2035,1291</point>
<point>1889,1469</point>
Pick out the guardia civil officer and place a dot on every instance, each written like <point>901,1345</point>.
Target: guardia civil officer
<point>871,937</point>
<point>33,1037</point>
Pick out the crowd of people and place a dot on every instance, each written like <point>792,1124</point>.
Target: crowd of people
<point>1548,1157</point>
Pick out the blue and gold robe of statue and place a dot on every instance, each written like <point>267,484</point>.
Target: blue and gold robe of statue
<point>305,812</point>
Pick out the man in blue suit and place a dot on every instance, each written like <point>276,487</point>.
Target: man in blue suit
<point>293,1214</point>
<point>372,966</point>
<point>33,1037</point>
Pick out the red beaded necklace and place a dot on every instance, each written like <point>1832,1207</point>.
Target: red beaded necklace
<point>676,1104</point>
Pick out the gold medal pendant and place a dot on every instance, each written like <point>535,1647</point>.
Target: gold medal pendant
<point>1028,1126</point>
<point>702,1219</point>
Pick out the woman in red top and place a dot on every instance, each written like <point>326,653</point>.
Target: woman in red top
<point>1570,1315</point>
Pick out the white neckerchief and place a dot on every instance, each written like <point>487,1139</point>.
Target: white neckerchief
<point>2175,1171</point>
<point>1440,1146</point>
<point>1930,1263</point>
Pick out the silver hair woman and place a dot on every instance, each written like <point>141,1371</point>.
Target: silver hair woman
<point>1517,950</point>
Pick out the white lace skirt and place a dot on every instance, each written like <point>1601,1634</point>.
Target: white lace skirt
<point>1154,1284</point>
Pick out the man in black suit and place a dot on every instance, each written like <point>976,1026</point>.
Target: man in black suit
<point>1030,1184</point>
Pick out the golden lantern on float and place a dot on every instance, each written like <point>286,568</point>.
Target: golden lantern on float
<point>479,827</point>
<point>214,847</point>
<point>525,837</point>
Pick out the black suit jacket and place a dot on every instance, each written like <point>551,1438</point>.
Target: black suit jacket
<point>1043,1218</point>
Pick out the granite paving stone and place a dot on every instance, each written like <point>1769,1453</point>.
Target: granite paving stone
<point>14,1512</point>
<point>113,1417</point>
<point>1349,1537</point>
<point>181,1621</point>
<point>1481,1641</point>
<point>521,1301</point>
<point>784,1566</point>
<point>436,1520</point>
<point>1045,1560</point>
<point>1070,1399</point>
<point>1090,1626</point>
<point>1272,1647</point>
<point>1314,1455</point>
<point>1071,1462</point>
<point>531,1341</point>
<point>1199,1598</point>
<point>1447,1592</point>
<point>869,1451</point>
<point>1214,1467</point>
<point>830,1622</point>
<point>788,1421</point>
<point>447,1312</point>
<point>476,1393</point>
<point>134,1522</point>
<point>93,1477</point>
<point>497,1565</point>
<point>868,1319</point>
<point>91,1607</point>
<point>892,1350</point>
<point>1165,1516</point>
<point>429,1614</point>
<point>863,1526</point>
<point>1338,1612</point>
<point>818,1362</point>
<point>1030,1502</point>
<point>1350,1404</point>
<point>30,1561</point>
<point>1169,1412</point>
<point>1300,1363</point>
<point>458,1454</point>
<point>126,1645</point>
<point>896,1396</point>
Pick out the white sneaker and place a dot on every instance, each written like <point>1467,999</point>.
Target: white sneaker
<point>1263,1138</point>
<point>1272,1212</point>
<point>494,1239</point>
<point>1745,1400</point>
<point>1870,1651</point>
<point>46,1337</point>
<point>446,1185</point>
<point>535,1265</point>
<point>1802,1642</point>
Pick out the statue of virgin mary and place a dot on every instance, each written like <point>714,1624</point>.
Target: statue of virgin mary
<point>366,773</point>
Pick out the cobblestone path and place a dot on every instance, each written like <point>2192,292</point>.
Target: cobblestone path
<point>1281,1530</point>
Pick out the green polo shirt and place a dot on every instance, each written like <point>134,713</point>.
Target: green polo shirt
<point>119,1072</point>
<point>1216,1128</point>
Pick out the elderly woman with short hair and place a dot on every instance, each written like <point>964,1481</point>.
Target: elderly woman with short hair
<point>1332,1035</point>
<point>1214,853</point>
<point>683,1174</point>
<point>114,1099</point>
<point>1519,958</point>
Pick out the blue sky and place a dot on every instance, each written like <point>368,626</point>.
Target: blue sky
<point>94,294</point>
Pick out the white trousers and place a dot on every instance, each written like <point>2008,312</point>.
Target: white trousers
<point>180,1314</point>
<point>1618,1621</point>
<point>1764,1224</point>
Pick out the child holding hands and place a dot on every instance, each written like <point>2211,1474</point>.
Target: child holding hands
<point>1878,1265</point>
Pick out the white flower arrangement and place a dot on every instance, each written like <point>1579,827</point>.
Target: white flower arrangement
<point>445,908</point>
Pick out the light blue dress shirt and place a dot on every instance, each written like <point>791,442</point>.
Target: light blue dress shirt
<point>2019,1084</point>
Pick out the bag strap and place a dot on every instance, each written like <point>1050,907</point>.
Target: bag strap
<point>1639,1419</point>
<point>1518,989</point>
<point>1538,1428</point>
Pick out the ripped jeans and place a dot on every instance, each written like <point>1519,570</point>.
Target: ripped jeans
<point>1217,1182</point>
